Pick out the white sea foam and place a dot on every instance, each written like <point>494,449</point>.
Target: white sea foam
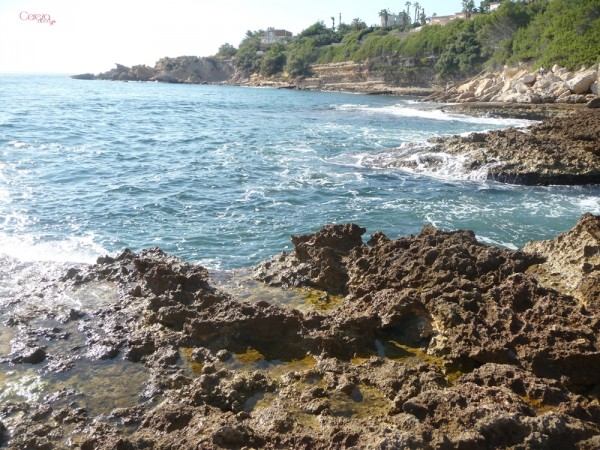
<point>590,204</point>
<point>28,248</point>
<point>418,159</point>
<point>495,243</point>
<point>408,110</point>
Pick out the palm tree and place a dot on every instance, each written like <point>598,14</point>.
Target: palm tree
<point>417,7</point>
<point>333,23</point>
<point>358,24</point>
<point>384,14</point>
<point>407,4</point>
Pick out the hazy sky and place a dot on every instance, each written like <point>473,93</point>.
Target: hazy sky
<point>93,35</point>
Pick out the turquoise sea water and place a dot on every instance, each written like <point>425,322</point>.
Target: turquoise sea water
<point>224,175</point>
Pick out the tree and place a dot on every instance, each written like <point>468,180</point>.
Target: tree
<point>384,14</point>
<point>468,6</point>
<point>462,51</point>
<point>407,4</point>
<point>247,58</point>
<point>226,51</point>
<point>315,29</point>
<point>300,59</point>
<point>333,23</point>
<point>417,8</point>
<point>358,24</point>
<point>405,18</point>
<point>273,60</point>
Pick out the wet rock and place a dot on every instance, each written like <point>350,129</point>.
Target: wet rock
<point>561,151</point>
<point>30,355</point>
<point>231,437</point>
<point>169,418</point>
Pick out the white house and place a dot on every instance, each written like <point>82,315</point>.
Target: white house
<point>272,35</point>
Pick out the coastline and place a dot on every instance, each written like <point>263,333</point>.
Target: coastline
<point>417,341</point>
<point>423,341</point>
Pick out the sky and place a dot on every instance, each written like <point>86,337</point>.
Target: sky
<point>92,35</point>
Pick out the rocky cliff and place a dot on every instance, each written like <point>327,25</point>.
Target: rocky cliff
<point>183,69</point>
<point>381,76</point>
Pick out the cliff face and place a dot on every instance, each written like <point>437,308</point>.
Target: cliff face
<point>383,75</point>
<point>183,69</point>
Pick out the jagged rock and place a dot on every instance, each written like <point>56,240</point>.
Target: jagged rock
<point>573,261</point>
<point>185,69</point>
<point>142,73</point>
<point>571,99</point>
<point>440,342</point>
<point>521,86</point>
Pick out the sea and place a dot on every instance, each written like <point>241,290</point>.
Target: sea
<point>222,176</point>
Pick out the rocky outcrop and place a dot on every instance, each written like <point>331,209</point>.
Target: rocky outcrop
<point>559,151</point>
<point>439,342</point>
<point>381,76</point>
<point>520,85</point>
<point>184,69</point>
<point>572,262</point>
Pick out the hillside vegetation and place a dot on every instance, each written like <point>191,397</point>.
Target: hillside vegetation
<point>541,33</point>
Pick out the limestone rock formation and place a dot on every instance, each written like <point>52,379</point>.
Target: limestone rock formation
<point>520,85</point>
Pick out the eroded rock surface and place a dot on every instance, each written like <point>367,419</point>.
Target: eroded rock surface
<point>439,342</point>
<point>573,262</point>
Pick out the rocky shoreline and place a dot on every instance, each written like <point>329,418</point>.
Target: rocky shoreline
<point>562,150</point>
<point>430,341</point>
<point>515,85</point>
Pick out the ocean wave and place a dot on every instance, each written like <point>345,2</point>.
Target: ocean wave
<point>590,204</point>
<point>419,159</point>
<point>429,113</point>
<point>30,248</point>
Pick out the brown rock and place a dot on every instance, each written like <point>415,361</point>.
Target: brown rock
<point>572,261</point>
